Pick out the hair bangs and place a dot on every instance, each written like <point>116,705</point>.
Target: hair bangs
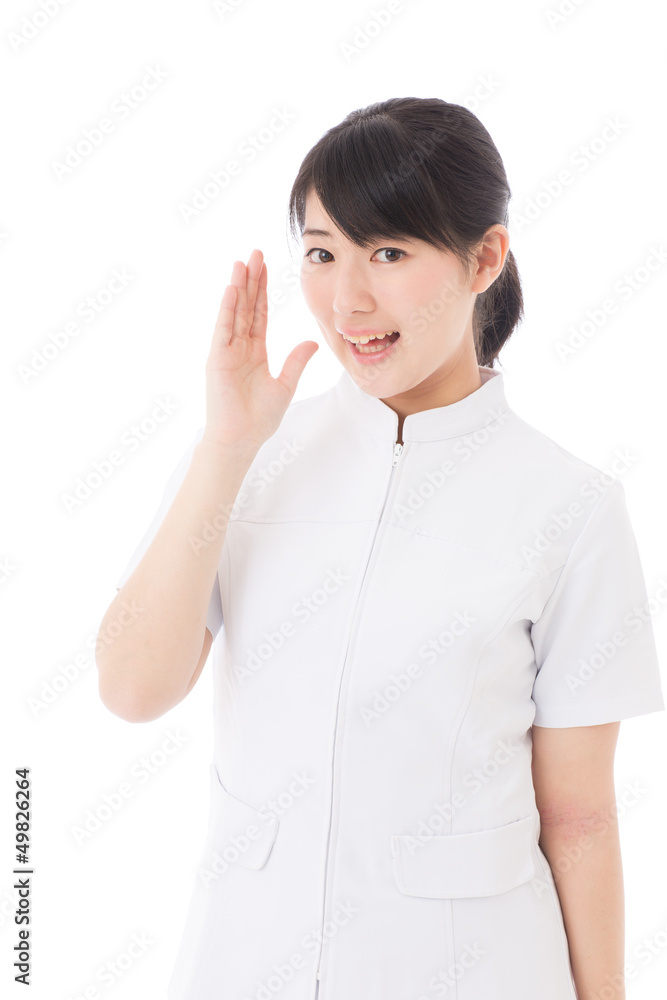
<point>373,181</point>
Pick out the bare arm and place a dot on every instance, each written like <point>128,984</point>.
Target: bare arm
<point>149,665</point>
<point>160,639</point>
<point>573,774</point>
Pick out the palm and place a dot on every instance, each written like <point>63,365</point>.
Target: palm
<point>244,403</point>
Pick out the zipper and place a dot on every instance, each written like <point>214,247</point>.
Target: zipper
<point>398,451</point>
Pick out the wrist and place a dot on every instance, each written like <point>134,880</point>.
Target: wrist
<point>238,456</point>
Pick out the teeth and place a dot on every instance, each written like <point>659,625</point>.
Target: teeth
<point>365,340</point>
<point>371,348</point>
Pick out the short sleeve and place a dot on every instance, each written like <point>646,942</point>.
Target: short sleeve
<point>594,644</point>
<point>214,614</point>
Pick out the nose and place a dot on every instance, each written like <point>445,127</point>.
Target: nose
<point>352,293</point>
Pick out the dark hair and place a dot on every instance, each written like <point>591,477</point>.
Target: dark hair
<point>420,168</point>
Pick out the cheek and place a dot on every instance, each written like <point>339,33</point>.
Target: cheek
<point>314,294</point>
<point>439,296</point>
<point>318,303</point>
<point>444,289</point>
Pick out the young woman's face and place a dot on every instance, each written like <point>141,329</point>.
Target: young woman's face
<point>400,285</point>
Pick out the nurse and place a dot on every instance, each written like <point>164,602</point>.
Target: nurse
<point>405,864</point>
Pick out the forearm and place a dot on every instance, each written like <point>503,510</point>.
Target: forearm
<point>145,670</point>
<point>585,858</point>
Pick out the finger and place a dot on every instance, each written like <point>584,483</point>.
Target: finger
<point>254,271</point>
<point>241,312</point>
<point>295,363</point>
<point>225,322</point>
<point>261,312</point>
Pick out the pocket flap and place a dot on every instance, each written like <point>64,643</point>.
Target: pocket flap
<point>239,832</point>
<point>483,863</point>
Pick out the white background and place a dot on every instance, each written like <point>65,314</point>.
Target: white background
<point>544,89</point>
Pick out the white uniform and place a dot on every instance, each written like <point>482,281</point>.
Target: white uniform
<point>396,617</point>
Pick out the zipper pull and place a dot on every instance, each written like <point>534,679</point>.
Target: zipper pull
<point>398,448</point>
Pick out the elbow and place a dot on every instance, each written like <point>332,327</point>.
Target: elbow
<point>127,704</point>
<point>126,708</point>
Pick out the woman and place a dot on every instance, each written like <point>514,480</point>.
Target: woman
<point>429,640</point>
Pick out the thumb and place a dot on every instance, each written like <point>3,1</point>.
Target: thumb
<point>295,362</point>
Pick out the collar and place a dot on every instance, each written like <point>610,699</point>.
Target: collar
<point>368,413</point>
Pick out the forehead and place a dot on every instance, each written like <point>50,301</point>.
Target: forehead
<point>318,223</point>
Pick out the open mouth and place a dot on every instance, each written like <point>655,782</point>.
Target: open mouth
<point>373,345</point>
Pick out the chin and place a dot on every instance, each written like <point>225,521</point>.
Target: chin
<point>379,383</point>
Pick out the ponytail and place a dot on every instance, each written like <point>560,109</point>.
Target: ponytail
<point>497,311</point>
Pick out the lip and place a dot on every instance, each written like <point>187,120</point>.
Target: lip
<point>375,357</point>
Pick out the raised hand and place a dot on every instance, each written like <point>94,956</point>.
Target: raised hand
<point>244,403</point>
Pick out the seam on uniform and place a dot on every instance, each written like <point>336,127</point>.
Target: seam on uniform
<point>301,520</point>
<point>575,460</point>
<point>505,560</point>
<point>472,683</point>
<point>629,702</point>
<point>402,527</point>
<point>228,564</point>
<point>229,544</point>
<point>449,918</point>
<point>575,543</point>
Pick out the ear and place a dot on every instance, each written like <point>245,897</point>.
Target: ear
<point>490,253</point>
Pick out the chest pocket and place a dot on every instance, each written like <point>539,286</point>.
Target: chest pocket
<point>239,833</point>
<point>483,863</point>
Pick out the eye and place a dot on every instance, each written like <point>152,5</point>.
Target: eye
<point>319,250</point>
<point>391,250</point>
